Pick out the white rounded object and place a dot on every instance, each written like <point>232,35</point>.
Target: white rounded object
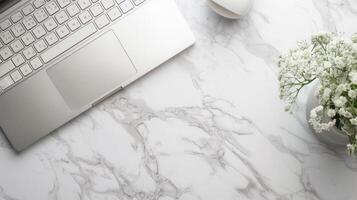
<point>232,9</point>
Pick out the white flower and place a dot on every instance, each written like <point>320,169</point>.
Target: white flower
<point>339,62</point>
<point>353,77</point>
<point>345,113</point>
<point>339,102</point>
<point>330,59</point>
<point>352,93</point>
<point>354,121</point>
<point>331,113</point>
<point>341,88</point>
<point>322,38</point>
<point>326,95</point>
<point>316,120</point>
<point>315,111</point>
<point>327,64</point>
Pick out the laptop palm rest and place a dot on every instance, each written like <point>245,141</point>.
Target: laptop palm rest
<point>92,72</point>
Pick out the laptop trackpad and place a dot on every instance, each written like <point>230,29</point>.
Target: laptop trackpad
<point>92,72</point>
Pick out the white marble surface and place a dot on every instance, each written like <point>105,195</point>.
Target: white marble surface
<point>207,125</point>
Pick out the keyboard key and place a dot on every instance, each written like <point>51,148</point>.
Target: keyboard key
<point>96,10</point>
<point>40,46</point>
<point>51,38</point>
<point>114,13</point>
<point>85,17</point>
<point>5,24</point>
<point>18,30</point>
<point>61,17</point>
<point>39,31</point>
<point>83,4</point>
<point>73,24</point>
<point>6,37</point>
<point>29,22</point>
<point>29,53</point>
<point>6,67</point>
<point>40,15</point>
<point>36,63</point>
<point>51,8</point>
<point>73,10</point>
<point>39,3</point>
<point>63,3</point>
<point>126,6</point>
<point>137,2</point>
<point>62,31</point>
<point>28,9</point>
<point>26,70</point>
<point>6,82</point>
<point>28,39</point>
<point>16,17</point>
<point>107,4</point>
<point>6,53</point>
<point>50,24</point>
<point>18,60</point>
<point>69,42</point>
<point>16,76</point>
<point>102,21</point>
<point>17,46</point>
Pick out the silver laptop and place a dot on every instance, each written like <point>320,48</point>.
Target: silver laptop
<point>58,58</point>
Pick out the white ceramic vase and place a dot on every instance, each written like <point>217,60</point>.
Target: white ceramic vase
<point>333,137</point>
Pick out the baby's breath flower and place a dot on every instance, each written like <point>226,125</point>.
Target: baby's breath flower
<point>331,113</point>
<point>327,64</point>
<point>315,112</point>
<point>354,121</point>
<point>323,38</point>
<point>326,95</point>
<point>340,101</point>
<point>352,94</point>
<point>332,60</point>
<point>345,113</point>
<point>353,77</point>
<point>341,88</point>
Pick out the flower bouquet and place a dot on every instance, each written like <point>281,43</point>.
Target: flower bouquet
<point>330,60</point>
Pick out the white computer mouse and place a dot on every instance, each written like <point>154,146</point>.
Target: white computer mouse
<point>233,9</point>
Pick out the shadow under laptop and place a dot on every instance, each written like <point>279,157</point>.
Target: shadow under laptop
<point>5,143</point>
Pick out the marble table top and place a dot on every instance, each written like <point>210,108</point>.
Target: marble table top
<point>207,125</point>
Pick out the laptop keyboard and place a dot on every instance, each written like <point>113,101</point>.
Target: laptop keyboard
<point>44,29</point>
